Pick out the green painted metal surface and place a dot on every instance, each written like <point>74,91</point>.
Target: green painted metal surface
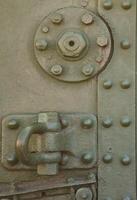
<point>68,99</point>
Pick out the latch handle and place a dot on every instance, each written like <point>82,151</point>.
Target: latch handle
<point>29,158</point>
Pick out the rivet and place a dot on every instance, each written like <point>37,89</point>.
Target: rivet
<point>87,19</point>
<point>57,18</point>
<point>125,44</point>
<point>65,159</point>
<point>107,158</point>
<point>92,176</point>
<point>41,44</point>
<point>13,124</point>
<point>107,4</point>
<point>45,29</point>
<point>125,84</point>
<point>87,158</point>
<point>125,121</point>
<point>99,59</point>
<point>102,41</point>
<point>84,3</point>
<point>64,123</point>
<point>87,123</point>
<point>88,70</point>
<point>107,84</point>
<point>70,180</point>
<point>56,70</point>
<point>107,122</point>
<point>12,159</point>
<point>125,160</point>
<point>126,4</point>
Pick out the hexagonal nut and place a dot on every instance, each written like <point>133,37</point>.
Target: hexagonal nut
<point>72,44</point>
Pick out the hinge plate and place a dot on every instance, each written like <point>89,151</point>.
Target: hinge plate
<point>75,139</point>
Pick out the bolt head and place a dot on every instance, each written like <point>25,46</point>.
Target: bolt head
<point>87,158</point>
<point>87,123</point>
<point>125,160</point>
<point>56,70</point>
<point>71,44</point>
<point>12,159</point>
<point>125,84</point>
<point>102,41</point>
<point>108,84</point>
<point>45,29</point>
<point>107,122</point>
<point>125,121</point>
<point>88,70</point>
<point>87,19</point>
<point>84,193</point>
<point>107,4</point>
<point>13,124</point>
<point>126,4</point>
<point>99,59</point>
<point>57,18</point>
<point>125,44</point>
<point>41,44</point>
<point>107,158</point>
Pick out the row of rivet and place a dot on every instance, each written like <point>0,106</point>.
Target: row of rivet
<point>125,159</point>
<point>57,18</point>
<point>101,41</point>
<point>125,84</point>
<point>125,4</point>
<point>86,158</point>
<point>86,123</point>
<point>57,70</point>
<point>108,122</point>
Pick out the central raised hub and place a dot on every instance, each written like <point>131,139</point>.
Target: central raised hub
<point>72,44</point>
<point>73,47</point>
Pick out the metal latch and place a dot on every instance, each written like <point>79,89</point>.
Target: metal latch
<point>50,141</point>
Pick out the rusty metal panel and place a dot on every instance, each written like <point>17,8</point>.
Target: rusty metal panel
<point>116,107</point>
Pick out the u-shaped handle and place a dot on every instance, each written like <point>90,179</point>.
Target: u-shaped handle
<point>32,159</point>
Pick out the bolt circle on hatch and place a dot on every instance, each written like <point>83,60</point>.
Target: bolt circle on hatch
<point>74,42</point>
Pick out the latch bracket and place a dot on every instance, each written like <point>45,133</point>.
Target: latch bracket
<point>50,141</point>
